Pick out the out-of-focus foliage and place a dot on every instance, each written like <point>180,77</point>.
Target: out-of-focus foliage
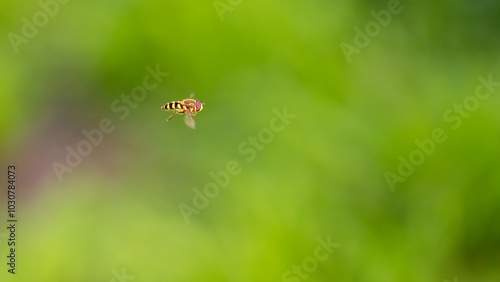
<point>322,175</point>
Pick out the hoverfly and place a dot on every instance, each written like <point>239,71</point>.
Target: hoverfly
<point>187,106</point>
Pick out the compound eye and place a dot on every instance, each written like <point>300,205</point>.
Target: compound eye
<point>198,106</point>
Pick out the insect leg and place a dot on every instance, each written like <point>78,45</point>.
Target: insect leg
<point>172,115</point>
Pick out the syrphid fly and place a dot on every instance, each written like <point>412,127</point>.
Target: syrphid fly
<point>190,107</point>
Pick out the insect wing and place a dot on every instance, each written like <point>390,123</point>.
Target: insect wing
<point>189,120</point>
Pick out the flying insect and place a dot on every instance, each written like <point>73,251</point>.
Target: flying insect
<point>190,107</point>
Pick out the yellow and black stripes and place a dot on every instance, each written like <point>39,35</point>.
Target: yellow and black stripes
<point>173,106</point>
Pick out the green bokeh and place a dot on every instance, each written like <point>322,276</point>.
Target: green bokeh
<point>320,176</point>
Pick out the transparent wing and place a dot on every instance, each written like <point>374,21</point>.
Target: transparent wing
<point>189,120</point>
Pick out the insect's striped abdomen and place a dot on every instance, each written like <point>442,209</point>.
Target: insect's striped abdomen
<point>166,107</point>
<point>173,106</point>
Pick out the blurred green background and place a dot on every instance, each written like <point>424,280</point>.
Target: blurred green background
<point>322,176</point>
